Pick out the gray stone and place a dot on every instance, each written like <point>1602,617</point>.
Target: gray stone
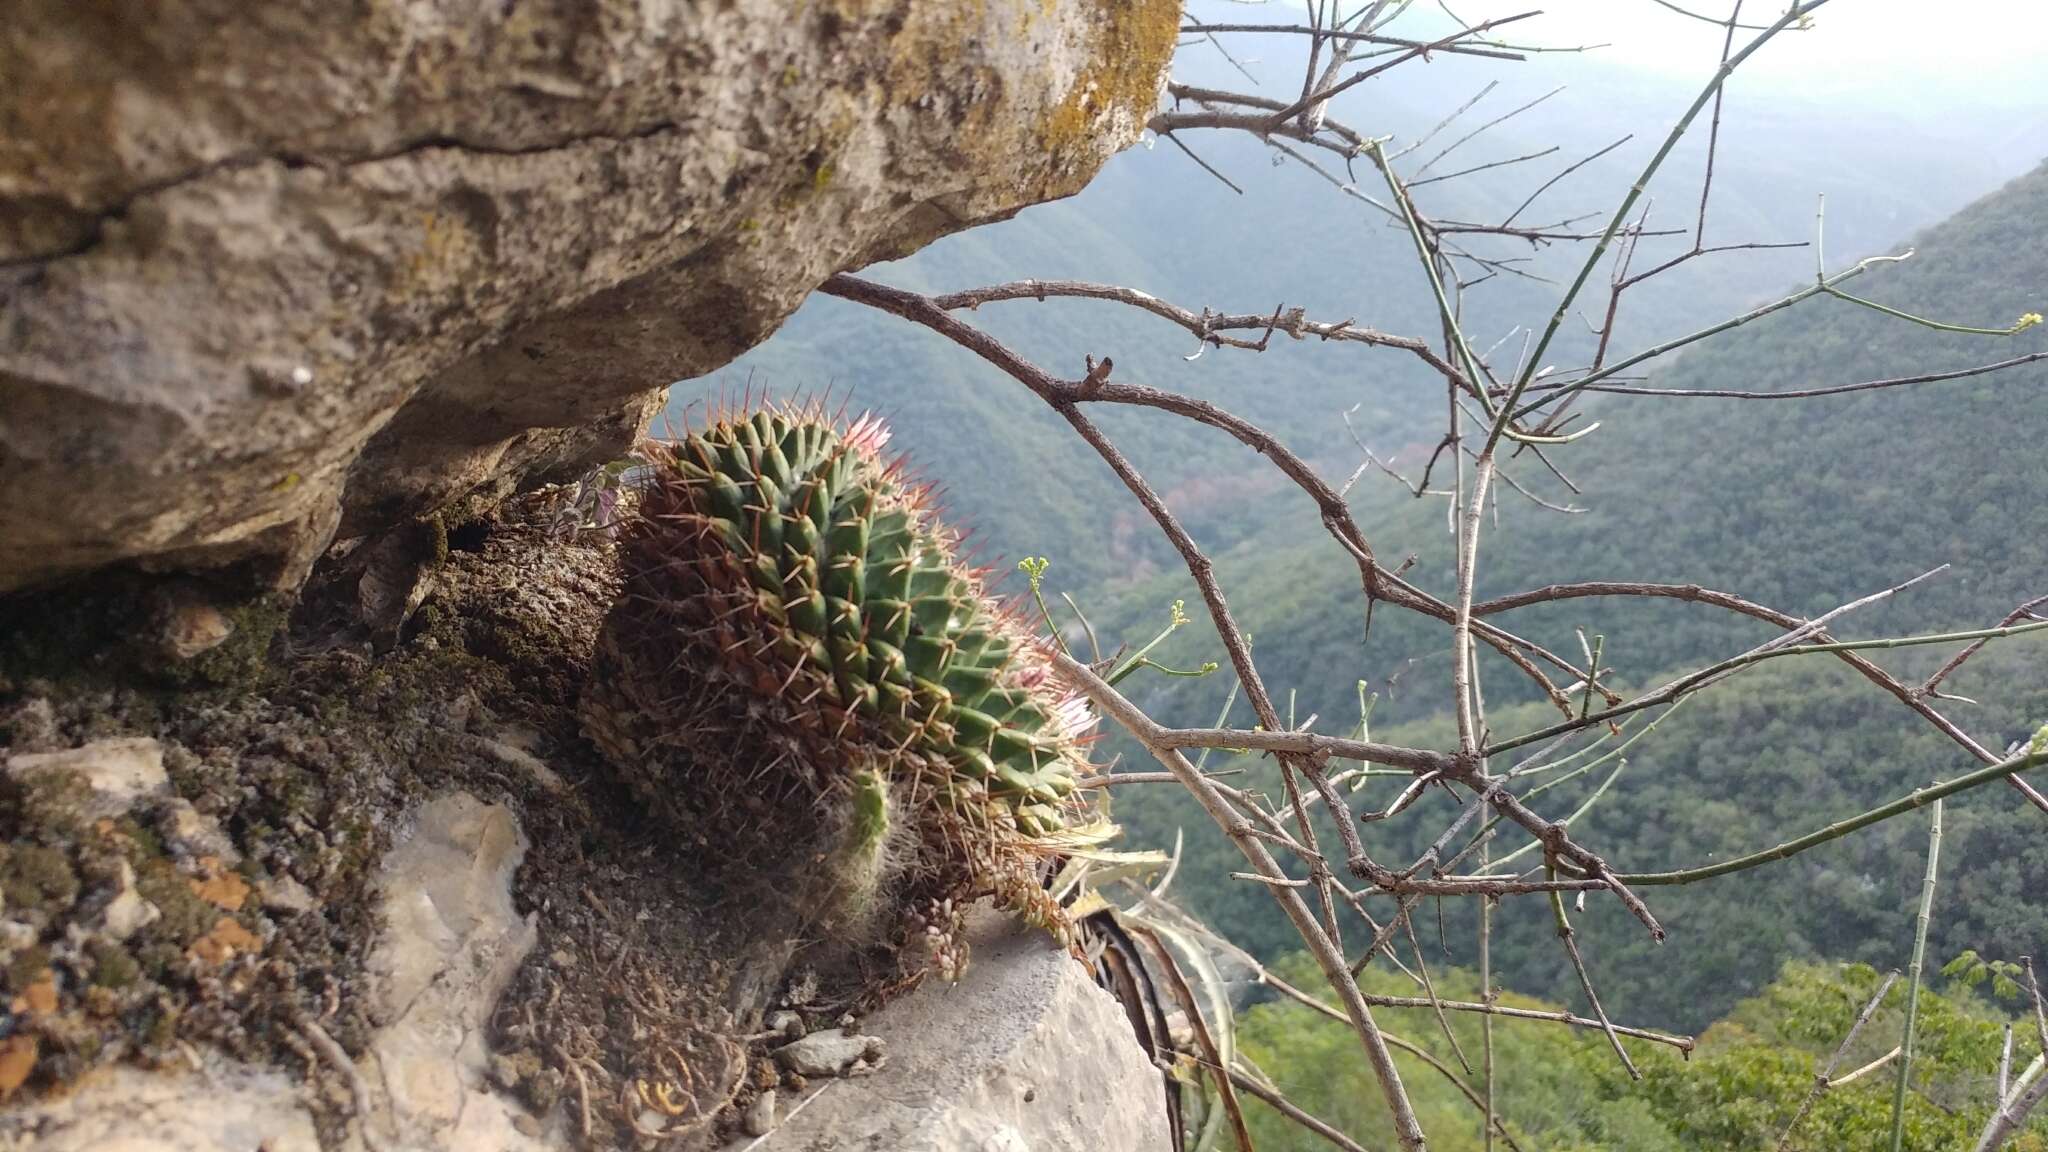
<point>760,1117</point>
<point>1024,1053</point>
<point>829,1053</point>
<point>269,276</point>
<point>118,773</point>
<point>513,756</point>
<point>451,943</point>
<point>16,935</point>
<point>785,1023</point>
<point>128,913</point>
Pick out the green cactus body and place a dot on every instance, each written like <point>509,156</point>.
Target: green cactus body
<point>793,616</point>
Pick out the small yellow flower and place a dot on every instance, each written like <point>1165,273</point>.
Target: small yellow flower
<point>2026,321</point>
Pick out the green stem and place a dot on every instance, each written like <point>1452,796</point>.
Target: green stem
<point>1135,661</point>
<point>1913,978</point>
<point>1449,315</point>
<point>1581,811</point>
<point>1919,798</point>
<point>1677,688</point>
<point>1673,345</point>
<point>1230,698</point>
<point>1792,15</point>
<point>1923,321</point>
<point>1049,625</point>
<point>1574,774</point>
<point>1603,758</point>
<point>1592,674</point>
<point>1207,667</point>
<point>1094,647</point>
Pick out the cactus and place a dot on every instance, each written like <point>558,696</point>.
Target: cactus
<point>800,658</point>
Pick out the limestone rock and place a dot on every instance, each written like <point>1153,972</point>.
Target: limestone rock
<point>118,773</point>
<point>1024,1053</point>
<point>271,273</point>
<point>282,894</point>
<point>452,942</point>
<point>220,1107</point>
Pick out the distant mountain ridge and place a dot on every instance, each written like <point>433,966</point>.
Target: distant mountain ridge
<point>1154,221</point>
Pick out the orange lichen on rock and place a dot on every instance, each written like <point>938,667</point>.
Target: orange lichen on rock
<point>220,945</point>
<point>220,887</point>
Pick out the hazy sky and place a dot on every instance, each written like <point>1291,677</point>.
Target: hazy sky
<point>1983,44</point>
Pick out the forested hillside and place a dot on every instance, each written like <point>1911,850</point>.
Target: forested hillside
<point>1742,1089</point>
<point>1800,504</point>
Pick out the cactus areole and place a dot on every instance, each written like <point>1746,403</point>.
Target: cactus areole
<point>796,623</point>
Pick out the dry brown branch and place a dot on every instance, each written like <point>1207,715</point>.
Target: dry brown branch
<point>1208,327</point>
<point>1122,711</point>
<point>1927,687</point>
<point>1367,37</point>
<point>1571,949</point>
<point>1811,393</point>
<point>1908,696</point>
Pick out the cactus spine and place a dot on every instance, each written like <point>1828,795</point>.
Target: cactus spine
<point>799,654</point>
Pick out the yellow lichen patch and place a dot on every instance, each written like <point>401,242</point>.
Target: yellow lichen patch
<point>220,945</point>
<point>17,1060</point>
<point>219,887</point>
<point>1132,48</point>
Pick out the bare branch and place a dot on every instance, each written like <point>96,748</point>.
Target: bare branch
<point>1367,37</point>
<point>1122,711</point>
<point>1821,1082</point>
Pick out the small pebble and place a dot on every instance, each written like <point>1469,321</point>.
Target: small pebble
<point>829,1053</point>
<point>760,1117</point>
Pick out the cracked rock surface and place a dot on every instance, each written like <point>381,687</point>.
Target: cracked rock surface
<point>1024,1053</point>
<point>275,276</point>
